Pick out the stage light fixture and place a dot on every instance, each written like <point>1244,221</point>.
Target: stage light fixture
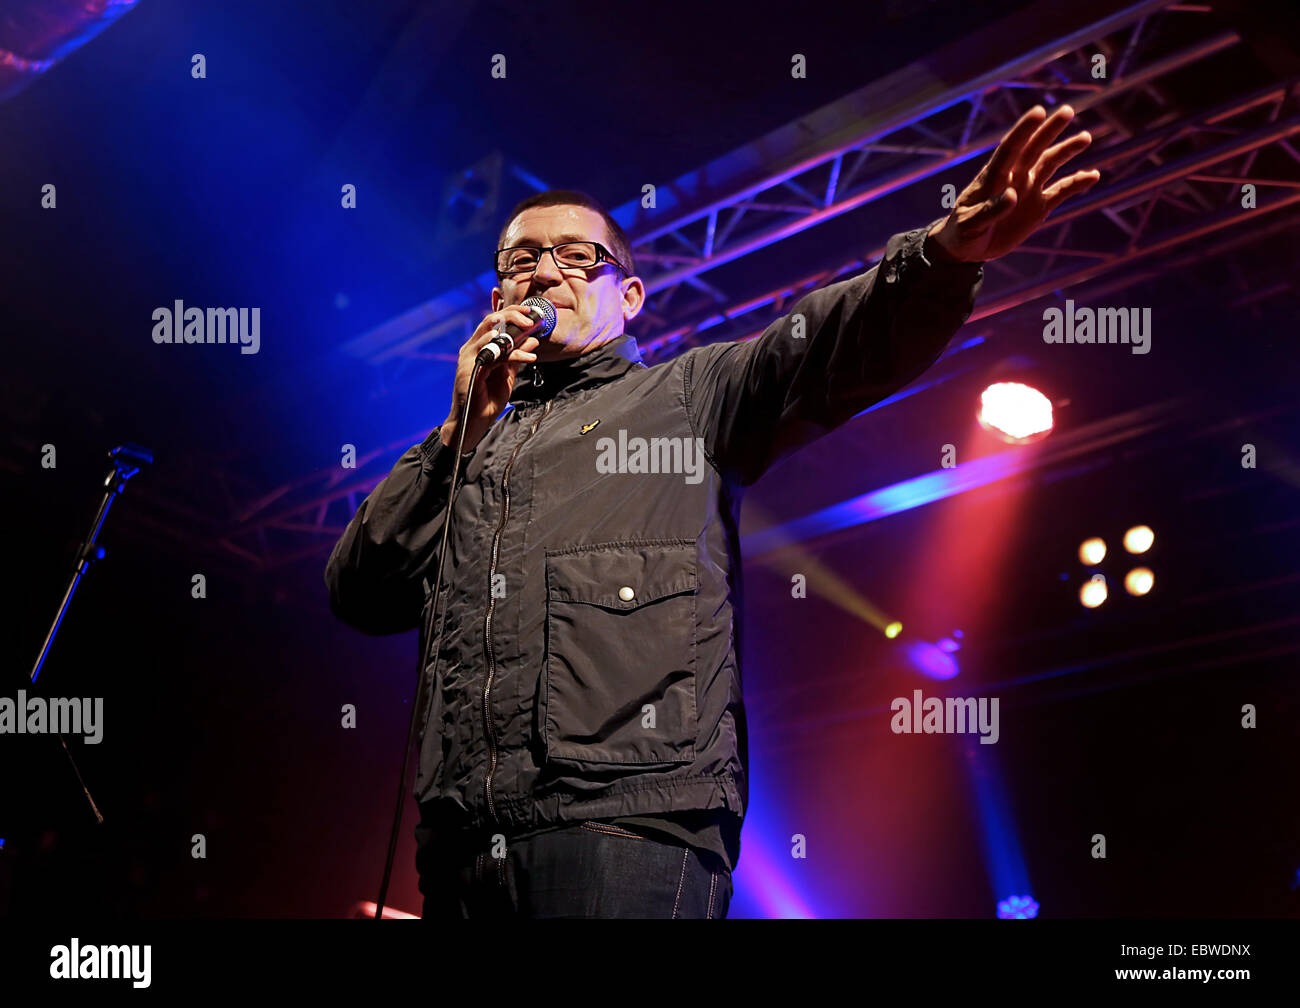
<point>1139,538</point>
<point>1092,551</point>
<point>1093,592</point>
<point>893,630</point>
<point>1139,580</point>
<point>1018,908</point>
<point>930,660</point>
<point>1015,412</point>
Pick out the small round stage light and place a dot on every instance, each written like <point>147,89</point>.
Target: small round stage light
<point>1139,580</point>
<point>1015,412</point>
<point>893,630</point>
<point>930,660</point>
<point>1093,592</point>
<point>1139,538</point>
<point>1092,551</point>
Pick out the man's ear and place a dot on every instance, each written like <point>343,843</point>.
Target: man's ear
<point>633,298</point>
<point>498,299</point>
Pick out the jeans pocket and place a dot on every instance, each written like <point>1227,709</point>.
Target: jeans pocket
<point>609,829</point>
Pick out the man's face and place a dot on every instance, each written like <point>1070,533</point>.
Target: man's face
<point>591,305</point>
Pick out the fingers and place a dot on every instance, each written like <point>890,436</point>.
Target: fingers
<point>1009,149</point>
<point>1050,129</point>
<point>1072,185</point>
<point>491,386</point>
<point>524,353</point>
<point>495,323</point>
<point>499,381</point>
<point>1054,157</point>
<point>483,335</point>
<point>494,378</point>
<point>519,317</point>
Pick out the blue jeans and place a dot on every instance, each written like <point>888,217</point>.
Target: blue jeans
<point>589,870</point>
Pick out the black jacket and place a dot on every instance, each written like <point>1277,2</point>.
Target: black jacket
<point>588,663</point>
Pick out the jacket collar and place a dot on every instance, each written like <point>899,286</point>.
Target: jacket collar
<point>545,379</point>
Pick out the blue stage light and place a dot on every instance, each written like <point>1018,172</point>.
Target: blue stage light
<point>1017,908</point>
<point>931,660</point>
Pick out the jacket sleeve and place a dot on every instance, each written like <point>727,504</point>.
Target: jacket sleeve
<point>375,573</point>
<point>841,349</point>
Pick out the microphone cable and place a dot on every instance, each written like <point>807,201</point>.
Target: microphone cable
<point>427,630</point>
<point>545,317</point>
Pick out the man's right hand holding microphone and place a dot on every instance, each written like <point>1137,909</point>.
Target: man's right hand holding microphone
<point>494,384</point>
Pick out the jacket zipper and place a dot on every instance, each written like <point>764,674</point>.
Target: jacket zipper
<point>487,619</point>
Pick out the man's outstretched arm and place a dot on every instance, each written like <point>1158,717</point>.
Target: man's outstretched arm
<point>851,344</point>
<point>841,349</point>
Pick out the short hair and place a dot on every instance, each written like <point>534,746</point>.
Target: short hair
<point>618,240</point>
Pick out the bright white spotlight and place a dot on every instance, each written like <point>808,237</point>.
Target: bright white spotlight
<point>1094,592</point>
<point>1139,580</point>
<point>1015,412</point>
<point>1092,551</point>
<point>1139,538</point>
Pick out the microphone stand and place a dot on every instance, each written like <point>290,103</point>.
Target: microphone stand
<point>124,458</point>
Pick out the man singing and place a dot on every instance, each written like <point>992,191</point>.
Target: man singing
<point>583,750</point>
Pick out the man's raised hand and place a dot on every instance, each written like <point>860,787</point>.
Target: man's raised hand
<point>493,386</point>
<point>1011,196</point>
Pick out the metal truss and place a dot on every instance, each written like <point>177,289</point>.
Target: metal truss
<point>1173,173</point>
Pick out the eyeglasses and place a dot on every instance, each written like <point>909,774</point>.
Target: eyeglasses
<point>573,255</point>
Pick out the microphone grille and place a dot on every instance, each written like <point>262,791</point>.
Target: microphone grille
<point>547,322</point>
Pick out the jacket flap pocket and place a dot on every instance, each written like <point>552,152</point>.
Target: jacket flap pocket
<point>619,689</point>
<point>621,575</point>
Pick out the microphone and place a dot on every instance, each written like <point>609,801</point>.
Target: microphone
<point>504,341</point>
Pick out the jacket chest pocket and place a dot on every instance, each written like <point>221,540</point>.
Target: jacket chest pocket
<point>620,678</point>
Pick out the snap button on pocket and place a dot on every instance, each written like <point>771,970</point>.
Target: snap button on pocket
<point>626,594</point>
